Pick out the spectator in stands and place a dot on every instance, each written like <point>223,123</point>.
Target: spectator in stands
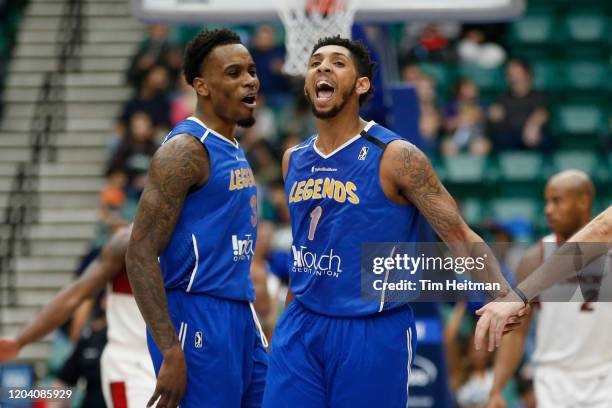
<point>475,49</point>
<point>264,162</point>
<point>269,56</point>
<point>113,197</point>
<point>136,149</point>
<point>521,113</point>
<point>84,362</point>
<point>156,49</point>
<point>296,121</point>
<point>411,73</point>
<point>152,99</point>
<point>430,120</point>
<point>429,41</point>
<point>265,125</point>
<point>471,375</point>
<point>183,102</point>
<point>465,122</point>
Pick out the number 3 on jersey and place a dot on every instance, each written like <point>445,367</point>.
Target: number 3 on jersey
<point>315,215</point>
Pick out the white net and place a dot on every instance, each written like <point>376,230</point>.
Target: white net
<point>307,21</point>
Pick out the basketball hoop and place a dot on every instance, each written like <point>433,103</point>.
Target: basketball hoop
<point>307,21</point>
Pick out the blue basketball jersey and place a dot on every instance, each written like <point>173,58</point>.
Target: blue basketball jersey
<point>336,204</point>
<point>213,242</point>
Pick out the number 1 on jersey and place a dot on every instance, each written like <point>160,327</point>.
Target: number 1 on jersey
<point>315,215</point>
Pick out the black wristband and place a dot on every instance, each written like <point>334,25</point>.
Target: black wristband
<point>521,295</point>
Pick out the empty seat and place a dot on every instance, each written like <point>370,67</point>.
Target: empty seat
<point>585,160</point>
<point>520,166</point>
<point>486,79</point>
<point>514,209</point>
<point>586,27</point>
<point>533,29</point>
<point>464,168</point>
<point>579,119</point>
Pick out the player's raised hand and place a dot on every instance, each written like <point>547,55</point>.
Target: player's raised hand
<point>494,317</point>
<point>171,380</point>
<point>9,349</point>
<point>496,400</point>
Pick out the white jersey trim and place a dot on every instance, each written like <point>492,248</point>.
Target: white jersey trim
<point>382,294</point>
<point>212,132</point>
<point>409,340</point>
<point>264,339</point>
<point>345,144</point>
<point>196,263</point>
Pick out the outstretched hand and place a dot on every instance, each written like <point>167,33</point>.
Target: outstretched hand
<point>9,349</point>
<point>497,318</point>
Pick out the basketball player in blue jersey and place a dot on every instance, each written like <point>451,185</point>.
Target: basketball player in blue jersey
<point>353,182</point>
<point>193,240</point>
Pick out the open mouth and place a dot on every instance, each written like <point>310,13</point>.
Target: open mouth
<point>324,90</point>
<point>250,101</point>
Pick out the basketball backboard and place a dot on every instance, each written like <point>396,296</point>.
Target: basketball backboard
<point>253,11</point>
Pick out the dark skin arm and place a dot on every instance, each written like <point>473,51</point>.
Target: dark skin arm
<point>55,313</point>
<point>407,177</point>
<point>177,167</point>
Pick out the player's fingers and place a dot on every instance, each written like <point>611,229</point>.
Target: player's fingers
<point>481,331</point>
<point>511,327</point>
<point>164,400</point>
<point>153,398</point>
<point>480,311</point>
<point>524,311</point>
<point>492,326</point>
<point>499,332</point>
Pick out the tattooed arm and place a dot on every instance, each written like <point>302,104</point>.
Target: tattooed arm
<point>178,166</point>
<point>408,177</point>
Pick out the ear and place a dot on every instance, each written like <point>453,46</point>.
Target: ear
<point>201,86</point>
<point>362,85</point>
<point>305,92</point>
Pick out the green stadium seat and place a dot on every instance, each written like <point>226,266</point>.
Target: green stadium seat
<point>585,160</point>
<point>533,29</point>
<point>472,211</point>
<point>586,27</point>
<point>464,168</point>
<point>589,76</point>
<point>579,120</point>
<point>514,209</point>
<point>546,76</point>
<point>486,79</point>
<point>520,166</point>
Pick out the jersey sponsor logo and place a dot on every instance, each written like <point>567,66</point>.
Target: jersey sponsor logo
<point>241,159</point>
<point>305,261</point>
<point>363,153</point>
<point>315,169</point>
<point>324,188</point>
<point>243,248</point>
<point>198,340</point>
<point>241,178</point>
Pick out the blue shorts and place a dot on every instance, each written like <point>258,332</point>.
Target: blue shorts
<point>226,359</point>
<point>321,361</point>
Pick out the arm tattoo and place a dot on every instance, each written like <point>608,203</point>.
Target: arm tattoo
<point>177,166</point>
<point>419,184</point>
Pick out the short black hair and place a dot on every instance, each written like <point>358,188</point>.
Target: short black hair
<point>361,57</point>
<point>201,45</point>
